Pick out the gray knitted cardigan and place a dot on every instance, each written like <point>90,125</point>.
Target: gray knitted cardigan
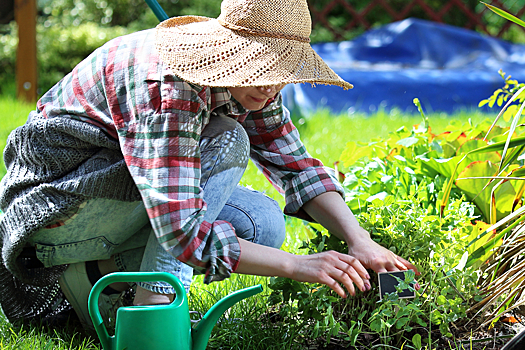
<point>53,165</point>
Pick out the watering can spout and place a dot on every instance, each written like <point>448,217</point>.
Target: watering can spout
<point>201,333</point>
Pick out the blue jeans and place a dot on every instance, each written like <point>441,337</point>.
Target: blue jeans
<point>103,228</point>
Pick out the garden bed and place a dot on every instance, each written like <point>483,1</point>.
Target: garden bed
<point>397,195</point>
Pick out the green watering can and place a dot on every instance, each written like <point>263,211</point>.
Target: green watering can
<point>158,327</point>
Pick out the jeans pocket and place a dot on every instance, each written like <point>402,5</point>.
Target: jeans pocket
<point>98,248</point>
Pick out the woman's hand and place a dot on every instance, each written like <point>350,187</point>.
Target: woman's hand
<point>332,268</point>
<point>330,210</point>
<point>375,257</point>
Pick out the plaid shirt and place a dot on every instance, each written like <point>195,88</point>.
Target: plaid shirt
<point>157,118</point>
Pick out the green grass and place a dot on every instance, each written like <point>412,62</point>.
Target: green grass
<point>42,338</point>
<point>325,136</point>
<point>12,114</point>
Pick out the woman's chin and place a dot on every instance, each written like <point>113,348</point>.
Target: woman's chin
<point>253,106</point>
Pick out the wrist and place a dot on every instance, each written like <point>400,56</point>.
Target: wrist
<point>357,237</point>
<point>288,264</point>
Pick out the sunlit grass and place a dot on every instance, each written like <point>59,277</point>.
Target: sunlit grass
<point>41,338</point>
<point>326,135</point>
<point>12,114</point>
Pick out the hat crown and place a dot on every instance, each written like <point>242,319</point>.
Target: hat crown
<point>289,18</point>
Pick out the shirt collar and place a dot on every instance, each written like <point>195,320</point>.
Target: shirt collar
<point>221,97</point>
<point>236,108</point>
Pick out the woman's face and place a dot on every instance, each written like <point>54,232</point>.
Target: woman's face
<point>254,98</point>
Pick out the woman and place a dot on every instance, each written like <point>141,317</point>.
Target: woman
<point>132,163</point>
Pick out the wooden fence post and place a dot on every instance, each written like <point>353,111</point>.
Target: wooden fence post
<point>26,63</point>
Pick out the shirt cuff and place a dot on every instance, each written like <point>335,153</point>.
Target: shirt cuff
<point>307,185</point>
<point>226,261</point>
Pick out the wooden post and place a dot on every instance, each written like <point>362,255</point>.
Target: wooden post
<point>26,64</point>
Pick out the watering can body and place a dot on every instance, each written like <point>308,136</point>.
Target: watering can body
<point>158,327</point>
<point>153,327</point>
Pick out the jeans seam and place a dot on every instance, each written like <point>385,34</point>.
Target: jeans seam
<point>255,231</point>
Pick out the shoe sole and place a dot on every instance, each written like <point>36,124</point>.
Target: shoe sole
<point>73,286</point>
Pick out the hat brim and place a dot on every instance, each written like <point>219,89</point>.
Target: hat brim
<point>201,51</point>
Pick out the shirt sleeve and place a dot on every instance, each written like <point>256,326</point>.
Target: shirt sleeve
<point>162,152</point>
<point>278,152</point>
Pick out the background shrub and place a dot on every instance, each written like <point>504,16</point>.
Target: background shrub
<point>69,30</point>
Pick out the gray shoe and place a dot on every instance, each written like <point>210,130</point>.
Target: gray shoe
<point>76,286</point>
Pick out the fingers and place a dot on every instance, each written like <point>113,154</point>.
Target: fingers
<point>342,271</point>
<point>389,263</point>
<point>381,259</point>
<point>348,276</point>
<point>333,269</point>
<point>408,265</point>
<point>356,264</point>
<point>403,264</point>
<point>348,271</point>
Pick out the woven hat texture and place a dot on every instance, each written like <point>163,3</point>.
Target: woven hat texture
<point>251,43</point>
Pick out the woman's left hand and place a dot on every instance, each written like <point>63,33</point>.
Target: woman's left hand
<point>375,257</point>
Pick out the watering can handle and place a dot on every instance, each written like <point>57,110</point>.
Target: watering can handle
<point>94,312</point>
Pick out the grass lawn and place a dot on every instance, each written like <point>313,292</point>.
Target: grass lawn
<point>325,137</point>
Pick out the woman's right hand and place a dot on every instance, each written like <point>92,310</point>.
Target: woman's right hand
<point>331,268</point>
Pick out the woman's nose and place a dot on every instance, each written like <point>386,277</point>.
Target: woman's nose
<point>270,91</point>
<point>267,90</point>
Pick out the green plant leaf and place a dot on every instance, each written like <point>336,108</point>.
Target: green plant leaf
<point>498,205</point>
<point>401,322</point>
<point>416,340</point>
<point>376,326</point>
<point>486,250</point>
<point>442,166</point>
<point>511,132</point>
<point>519,187</point>
<point>477,190</point>
<point>515,142</point>
<point>505,14</point>
<point>441,300</point>
<point>512,156</point>
<point>498,146</point>
<point>462,262</point>
<point>503,110</point>
<point>353,152</point>
<point>408,141</point>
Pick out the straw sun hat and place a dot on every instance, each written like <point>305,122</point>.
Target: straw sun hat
<point>251,43</point>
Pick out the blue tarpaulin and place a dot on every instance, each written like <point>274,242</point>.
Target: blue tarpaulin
<point>447,68</point>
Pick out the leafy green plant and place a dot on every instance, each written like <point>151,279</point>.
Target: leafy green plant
<point>419,193</point>
<point>503,279</point>
<point>59,51</point>
<point>418,162</point>
<point>433,244</point>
